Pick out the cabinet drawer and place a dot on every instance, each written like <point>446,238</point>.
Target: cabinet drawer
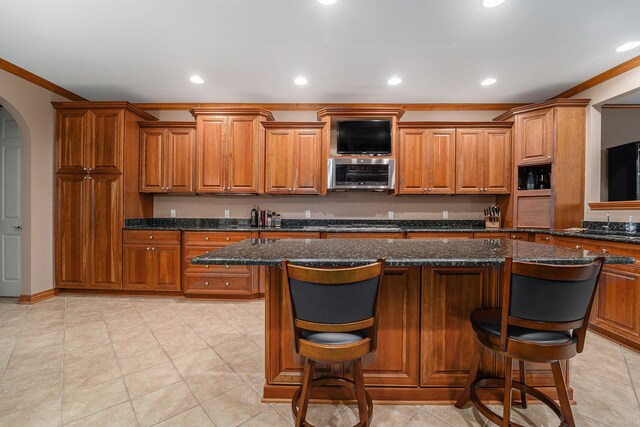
<point>205,238</point>
<point>218,284</point>
<point>289,235</point>
<point>438,235</point>
<point>192,252</point>
<point>501,235</point>
<point>151,236</point>
<point>587,245</point>
<point>545,238</point>
<point>365,235</point>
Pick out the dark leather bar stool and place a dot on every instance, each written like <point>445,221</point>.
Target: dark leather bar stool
<point>544,317</point>
<point>334,321</point>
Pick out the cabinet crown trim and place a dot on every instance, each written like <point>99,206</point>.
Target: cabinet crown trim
<point>231,111</point>
<point>558,102</point>
<point>288,125</point>
<point>454,125</point>
<point>88,105</point>
<point>361,112</point>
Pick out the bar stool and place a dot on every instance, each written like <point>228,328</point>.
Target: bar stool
<point>544,318</point>
<point>333,312</point>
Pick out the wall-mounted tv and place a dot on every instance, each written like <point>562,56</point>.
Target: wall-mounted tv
<point>364,137</point>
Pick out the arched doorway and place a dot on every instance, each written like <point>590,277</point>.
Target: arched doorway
<point>11,157</point>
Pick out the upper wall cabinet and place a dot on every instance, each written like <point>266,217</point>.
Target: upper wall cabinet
<point>293,157</point>
<point>166,157</point>
<point>426,160</point>
<point>230,150</point>
<point>483,161</point>
<point>534,137</point>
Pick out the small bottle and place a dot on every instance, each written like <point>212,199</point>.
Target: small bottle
<point>278,221</point>
<point>630,227</point>
<point>530,181</point>
<point>254,217</point>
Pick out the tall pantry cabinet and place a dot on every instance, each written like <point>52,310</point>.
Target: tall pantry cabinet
<point>96,188</point>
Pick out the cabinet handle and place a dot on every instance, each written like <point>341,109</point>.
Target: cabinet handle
<point>153,249</point>
<point>578,247</point>
<point>548,157</point>
<point>148,249</point>
<point>513,236</point>
<point>151,237</point>
<point>546,239</point>
<point>206,283</point>
<point>604,251</point>
<point>226,266</point>
<point>84,169</point>
<point>228,238</point>
<point>206,238</point>
<point>226,283</point>
<point>206,266</point>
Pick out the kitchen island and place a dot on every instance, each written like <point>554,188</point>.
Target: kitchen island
<point>429,289</point>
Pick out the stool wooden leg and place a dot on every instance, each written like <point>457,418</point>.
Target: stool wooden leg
<point>523,379</point>
<point>309,370</point>
<point>473,373</point>
<point>561,388</point>
<point>508,373</point>
<point>358,378</point>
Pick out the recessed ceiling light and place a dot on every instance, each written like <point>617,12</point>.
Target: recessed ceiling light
<point>196,79</point>
<point>394,81</point>
<point>492,3</point>
<point>488,82</point>
<point>300,81</point>
<point>327,2</point>
<point>628,46</point>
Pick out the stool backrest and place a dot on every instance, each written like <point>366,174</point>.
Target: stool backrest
<point>549,297</point>
<point>334,299</point>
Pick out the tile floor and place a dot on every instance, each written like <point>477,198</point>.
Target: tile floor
<point>93,361</point>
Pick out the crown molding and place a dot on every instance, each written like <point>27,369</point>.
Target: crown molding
<point>231,111</point>
<point>542,105</point>
<point>454,125</point>
<point>294,125</point>
<point>622,106</point>
<point>86,105</point>
<point>39,81</point>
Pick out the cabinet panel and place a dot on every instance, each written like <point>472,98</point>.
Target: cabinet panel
<point>365,235</point>
<point>534,212</point>
<point>243,155</point>
<point>412,161</point>
<point>497,161</point>
<point>106,231</point>
<point>534,137</point>
<point>152,161</point>
<point>438,235</point>
<point>307,155</point>
<point>210,169</point>
<point>618,305</point>
<point>137,267</point>
<point>469,161</point>
<point>179,160</point>
<point>441,161</point>
<point>72,218</point>
<point>71,141</point>
<point>280,161</point>
<point>107,133</point>
<point>167,268</point>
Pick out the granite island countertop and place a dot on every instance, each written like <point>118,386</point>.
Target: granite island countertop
<point>398,252</point>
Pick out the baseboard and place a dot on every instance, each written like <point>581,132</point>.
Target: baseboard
<point>37,297</point>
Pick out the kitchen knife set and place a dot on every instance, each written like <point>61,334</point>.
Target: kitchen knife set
<point>492,216</point>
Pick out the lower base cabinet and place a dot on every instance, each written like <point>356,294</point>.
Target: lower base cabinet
<point>151,260</point>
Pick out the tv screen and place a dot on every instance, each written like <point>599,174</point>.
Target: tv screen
<point>364,137</point>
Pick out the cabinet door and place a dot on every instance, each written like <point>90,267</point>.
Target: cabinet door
<point>179,160</point>
<point>412,161</point>
<point>106,231</point>
<point>137,266</point>
<point>106,141</point>
<point>618,307</point>
<point>441,163</point>
<point>72,218</point>
<point>151,160</point>
<point>534,137</point>
<point>497,161</point>
<point>243,155</point>
<point>166,268</point>
<point>280,161</point>
<point>71,141</point>
<point>307,165</point>
<point>210,155</point>
<point>469,161</point>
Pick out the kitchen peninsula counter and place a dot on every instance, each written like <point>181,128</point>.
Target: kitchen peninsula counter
<point>429,289</point>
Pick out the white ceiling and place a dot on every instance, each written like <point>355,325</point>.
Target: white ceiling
<point>251,50</point>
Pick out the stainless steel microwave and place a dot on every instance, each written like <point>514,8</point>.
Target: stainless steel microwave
<point>361,174</point>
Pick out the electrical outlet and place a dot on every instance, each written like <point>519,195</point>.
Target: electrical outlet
<point>173,213</point>
<point>307,214</point>
<point>390,214</point>
<point>226,213</point>
<point>445,214</point>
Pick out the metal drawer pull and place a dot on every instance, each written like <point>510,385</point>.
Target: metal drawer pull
<point>226,266</point>
<point>546,239</point>
<point>151,237</point>
<point>206,238</point>
<point>228,238</point>
<point>578,247</point>
<point>153,249</point>
<point>226,283</point>
<point>206,266</point>
<point>604,251</point>
<point>148,249</point>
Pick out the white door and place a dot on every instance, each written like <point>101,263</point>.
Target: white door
<point>10,202</point>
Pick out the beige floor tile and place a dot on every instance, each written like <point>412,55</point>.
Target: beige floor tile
<point>181,342</point>
<point>454,416</point>
<point>269,417</point>
<point>197,362</point>
<point>43,360</point>
<point>234,407</point>
<point>329,415</point>
<point>88,355</point>
<point>632,358</point>
<point>87,375</point>
<point>214,336</point>
<point>236,349</point>
<point>588,380</point>
<point>151,379</point>
<point>43,415</point>
<point>209,384</point>
<point>93,399</point>
<point>28,391</point>
<point>142,360</point>
<point>34,342</point>
<point>594,406</point>
<point>135,344</point>
<point>422,418</point>
<point>193,417</point>
<point>393,415</point>
<point>120,415</point>
<point>163,404</point>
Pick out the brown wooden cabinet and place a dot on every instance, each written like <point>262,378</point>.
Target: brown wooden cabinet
<point>534,137</point>
<point>438,235</point>
<point>88,223</point>
<point>151,260</point>
<point>96,188</point>
<point>230,281</point>
<point>230,150</point>
<point>293,157</point>
<point>483,161</point>
<point>426,160</point>
<point>166,157</point>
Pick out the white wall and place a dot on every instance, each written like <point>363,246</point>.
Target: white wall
<point>30,106</point>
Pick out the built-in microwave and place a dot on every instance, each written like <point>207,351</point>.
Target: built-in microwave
<point>361,174</point>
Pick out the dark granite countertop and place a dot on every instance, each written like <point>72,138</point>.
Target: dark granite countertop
<point>399,253</point>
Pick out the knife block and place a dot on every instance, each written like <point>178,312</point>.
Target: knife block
<point>492,221</point>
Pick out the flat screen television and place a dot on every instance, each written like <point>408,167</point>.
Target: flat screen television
<point>364,137</point>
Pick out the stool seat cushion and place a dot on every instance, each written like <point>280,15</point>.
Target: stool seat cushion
<point>333,337</point>
<point>489,321</point>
